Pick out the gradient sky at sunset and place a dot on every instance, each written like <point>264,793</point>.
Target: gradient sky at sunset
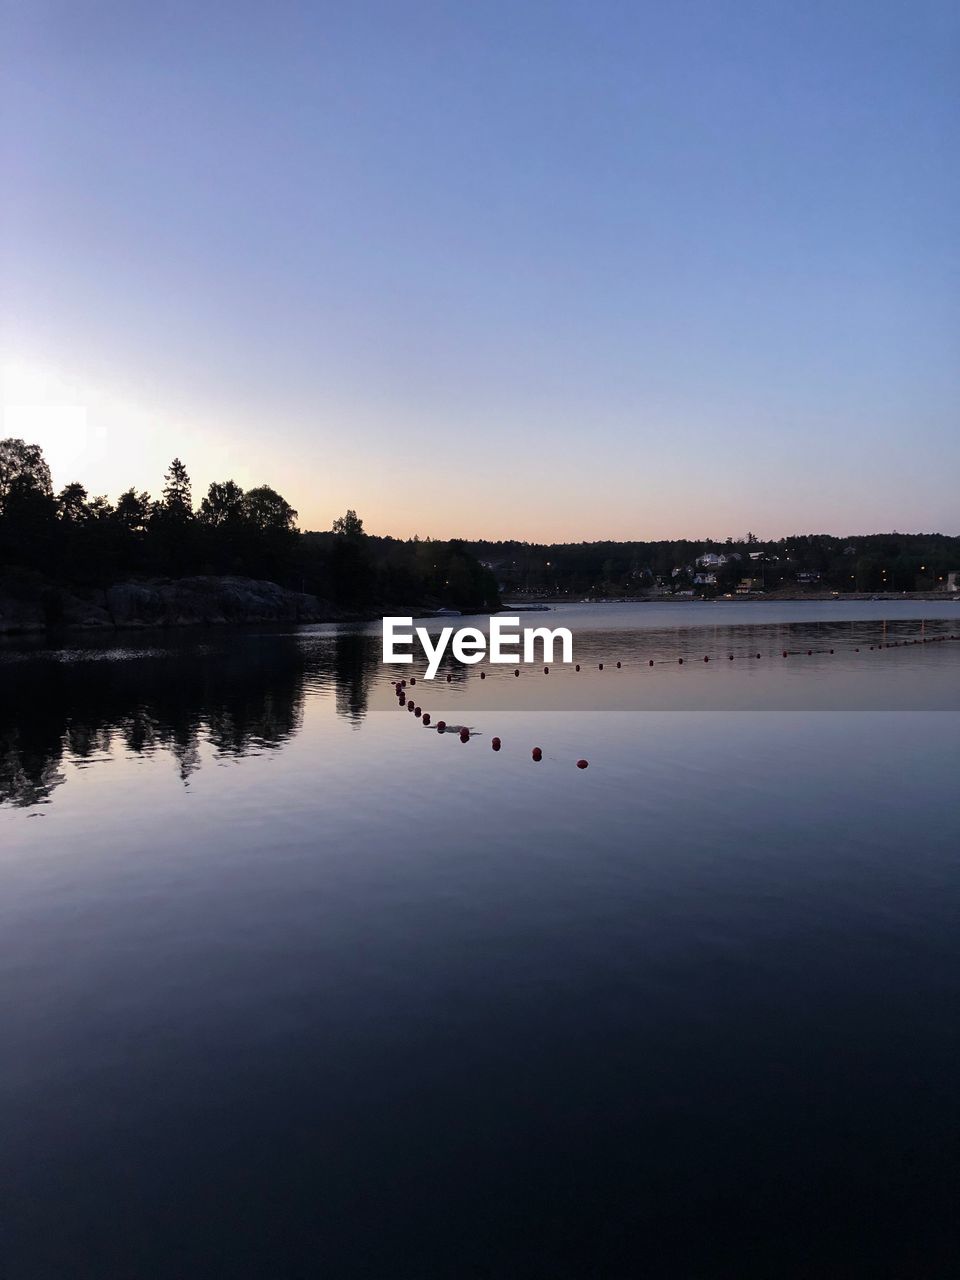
<point>544,270</point>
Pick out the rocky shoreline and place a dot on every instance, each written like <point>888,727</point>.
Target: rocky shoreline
<point>28,607</point>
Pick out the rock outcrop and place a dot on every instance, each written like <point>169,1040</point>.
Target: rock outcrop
<point>180,602</point>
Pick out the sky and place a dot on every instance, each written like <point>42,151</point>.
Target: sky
<point>545,270</point>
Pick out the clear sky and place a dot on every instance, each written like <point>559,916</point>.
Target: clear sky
<point>537,269</point>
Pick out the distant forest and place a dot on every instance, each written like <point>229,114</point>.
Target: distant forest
<point>76,540</point>
<point>72,539</point>
<point>805,562</point>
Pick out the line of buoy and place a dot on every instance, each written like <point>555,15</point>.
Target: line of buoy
<point>537,752</point>
<point>400,685</point>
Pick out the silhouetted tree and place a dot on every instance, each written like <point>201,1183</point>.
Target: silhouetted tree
<point>177,495</point>
<point>23,466</point>
<point>349,526</point>
<point>268,512</point>
<point>133,510</point>
<point>72,503</point>
<point>223,507</point>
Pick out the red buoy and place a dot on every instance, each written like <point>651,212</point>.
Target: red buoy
<point>600,666</point>
<point>409,706</point>
<point>403,684</point>
<point>441,726</point>
<point>426,717</point>
<point>618,664</point>
<point>402,700</point>
<point>418,712</point>
<point>495,743</point>
<point>537,753</point>
<point>449,678</point>
<point>464,735</point>
<point>546,671</point>
<point>651,662</point>
<point>680,662</point>
<point>758,655</point>
<point>583,764</point>
<point>483,675</point>
<point>706,658</point>
<point>809,653</point>
<point>413,679</point>
<point>730,656</point>
<point>578,666</point>
<point>784,653</point>
<point>517,672</point>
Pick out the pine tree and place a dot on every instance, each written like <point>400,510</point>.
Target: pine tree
<point>177,495</point>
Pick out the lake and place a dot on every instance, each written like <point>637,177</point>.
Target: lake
<point>293,986</point>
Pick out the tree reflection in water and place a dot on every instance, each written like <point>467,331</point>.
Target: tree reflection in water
<point>241,693</point>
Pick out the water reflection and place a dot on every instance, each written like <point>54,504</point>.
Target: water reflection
<point>241,694</point>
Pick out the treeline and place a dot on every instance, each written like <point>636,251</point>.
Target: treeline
<point>76,540</point>
<point>868,562</point>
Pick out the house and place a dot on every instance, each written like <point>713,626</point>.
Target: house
<point>746,585</point>
<point>953,580</point>
<point>756,555</point>
<point>808,578</point>
<point>710,560</point>
<point>704,579</point>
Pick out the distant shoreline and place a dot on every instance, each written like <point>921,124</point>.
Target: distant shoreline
<point>760,598</point>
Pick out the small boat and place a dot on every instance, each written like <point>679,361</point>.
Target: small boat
<point>447,613</point>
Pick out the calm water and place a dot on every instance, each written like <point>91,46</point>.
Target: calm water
<point>294,987</point>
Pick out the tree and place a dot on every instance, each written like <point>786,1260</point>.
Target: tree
<point>133,510</point>
<point>268,512</point>
<point>349,526</point>
<point>22,465</point>
<point>99,508</point>
<point>177,494</point>
<point>72,503</point>
<point>224,505</point>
